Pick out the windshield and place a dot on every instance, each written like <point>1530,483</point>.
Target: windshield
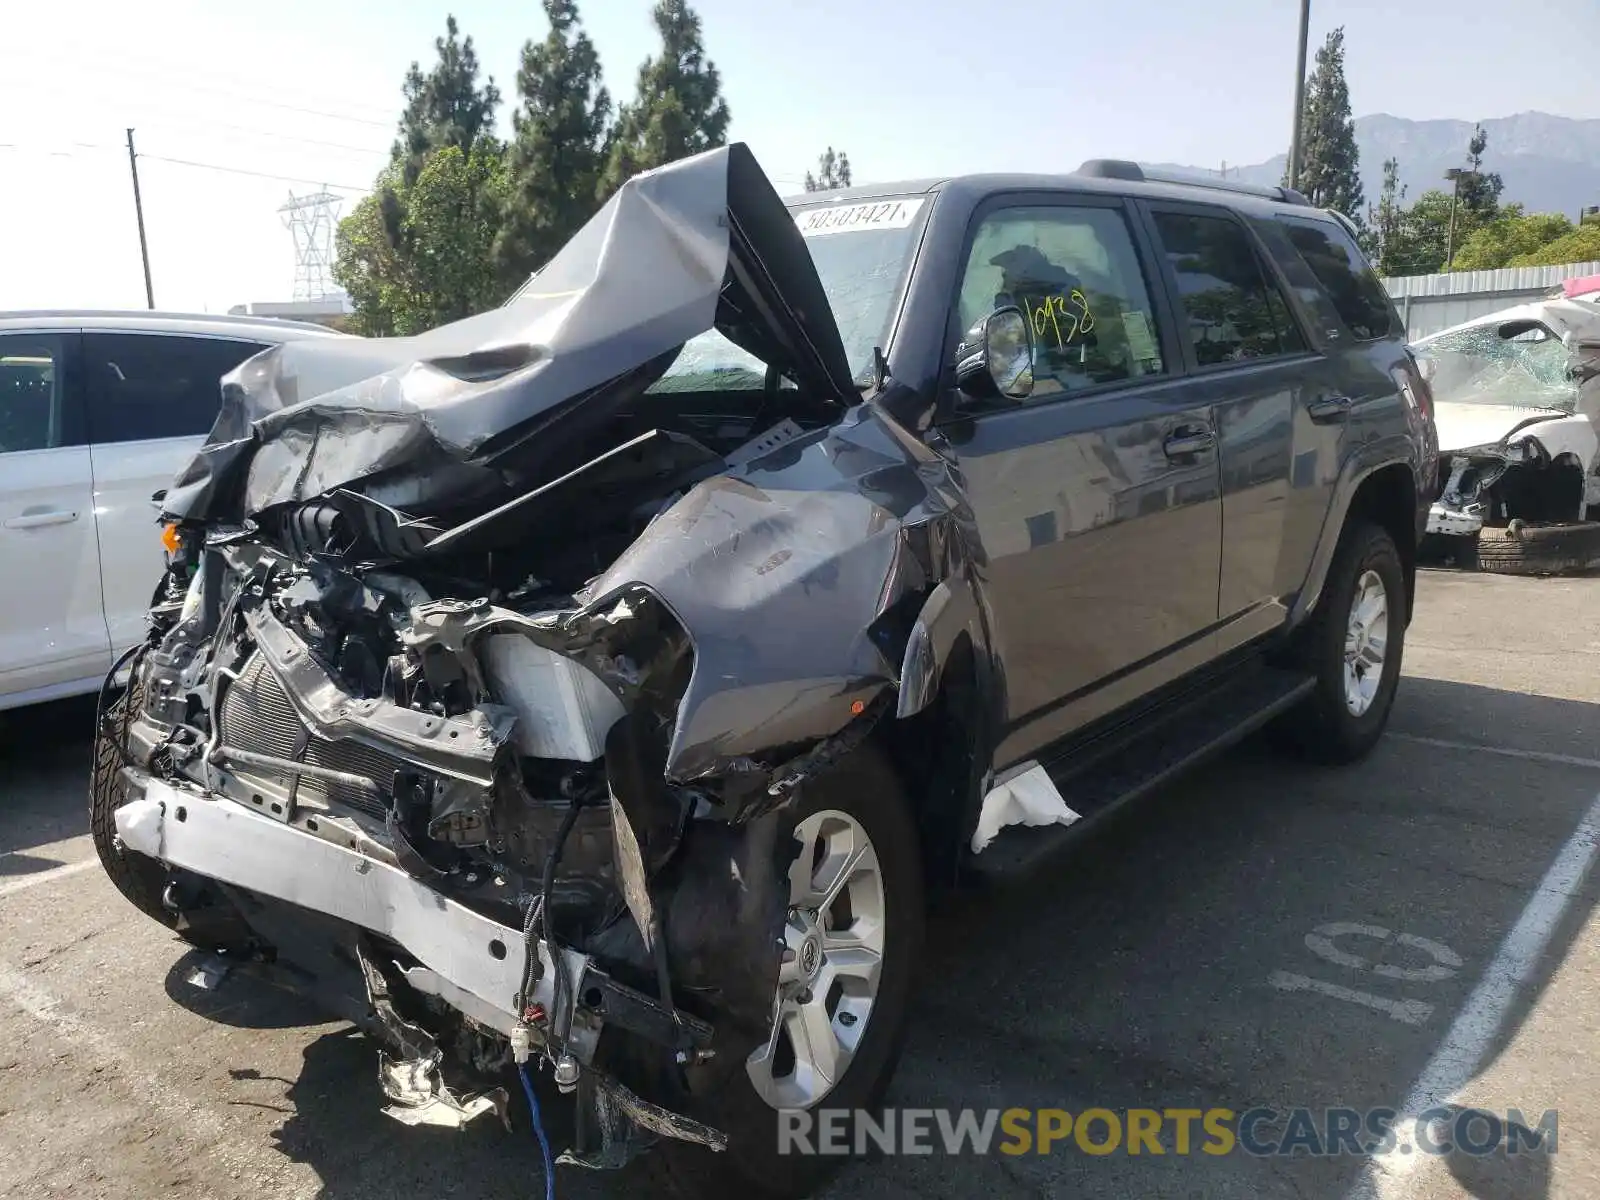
<point>860,251</point>
<point>1519,363</point>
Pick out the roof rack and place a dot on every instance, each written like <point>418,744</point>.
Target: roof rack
<point>1132,172</point>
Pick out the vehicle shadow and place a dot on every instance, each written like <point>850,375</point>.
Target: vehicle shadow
<point>44,777</point>
<point>1134,973</point>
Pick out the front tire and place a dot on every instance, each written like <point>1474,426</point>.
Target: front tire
<point>858,848</point>
<point>141,880</point>
<point>1352,647</point>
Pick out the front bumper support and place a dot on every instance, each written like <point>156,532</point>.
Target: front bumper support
<point>477,962</point>
<point>1455,522</point>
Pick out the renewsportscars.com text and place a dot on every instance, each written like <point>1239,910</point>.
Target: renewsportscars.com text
<point>1260,1132</point>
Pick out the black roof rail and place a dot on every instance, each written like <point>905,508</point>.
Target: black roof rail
<point>1132,172</point>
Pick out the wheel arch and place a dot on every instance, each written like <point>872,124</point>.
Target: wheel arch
<point>1386,496</point>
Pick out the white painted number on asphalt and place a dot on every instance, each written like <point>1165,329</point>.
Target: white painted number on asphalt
<point>1321,941</point>
<point>1337,942</point>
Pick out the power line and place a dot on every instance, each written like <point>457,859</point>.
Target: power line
<point>287,137</point>
<point>189,162</point>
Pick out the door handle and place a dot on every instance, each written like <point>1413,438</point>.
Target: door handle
<point>34,518</point>
<point>1327,409</point>
<point>1188,440</point>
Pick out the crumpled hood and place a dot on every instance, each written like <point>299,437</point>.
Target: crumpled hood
<point>1464,426</point>
<point>701,243</point>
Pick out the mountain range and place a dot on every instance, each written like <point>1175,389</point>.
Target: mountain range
<point>1549,163</point>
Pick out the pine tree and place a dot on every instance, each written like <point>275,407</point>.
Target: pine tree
<point>1329,161</point>
<point>1384,231</point>
<point>833,171</point>
<point>1479,196</point>
<point>445,107</point>
<point>678,109</point>
<point>415,253</point>
<point>558,143</point>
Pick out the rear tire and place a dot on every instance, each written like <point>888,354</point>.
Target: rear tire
<point>866,792</point>
<point>1345,714</point>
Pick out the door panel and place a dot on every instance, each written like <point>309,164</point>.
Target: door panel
<point>131,558</point>
<point>1103,552</point>
<point>1097,496</point>
<point>152,399</point>
<point>1253,364</point>
<point>51,629</point>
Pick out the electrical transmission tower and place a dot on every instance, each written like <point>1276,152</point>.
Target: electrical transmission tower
<point>311,221</point>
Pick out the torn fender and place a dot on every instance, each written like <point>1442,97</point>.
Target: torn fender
<point>788,574</point>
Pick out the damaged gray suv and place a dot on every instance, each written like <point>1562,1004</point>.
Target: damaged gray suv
<point>594,689</point>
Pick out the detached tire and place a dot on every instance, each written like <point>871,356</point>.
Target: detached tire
<point>1352,647</point>
<point>855,813</point>
<point>1522,549</point>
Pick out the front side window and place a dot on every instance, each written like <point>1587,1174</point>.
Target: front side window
<point>1235,313</point>
<point>1076,277</point>
<point>1343,272</point>
<point>32,396</point>
<point>157,385</point>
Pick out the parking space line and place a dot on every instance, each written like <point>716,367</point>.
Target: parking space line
<point>25,882</point>
<point>1461,1053</point>
<point>1564,760</point>
<point>1409,1012</point>
<point>40,1004</point>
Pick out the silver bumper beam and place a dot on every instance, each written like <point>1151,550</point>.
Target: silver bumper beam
<point>1453,521</point>
<point>475,963</point>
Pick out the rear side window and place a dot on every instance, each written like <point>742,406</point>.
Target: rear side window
<point>33,413</point>
<point>1235,312</point>
<point>1343,272</point>
<point>156,385</point>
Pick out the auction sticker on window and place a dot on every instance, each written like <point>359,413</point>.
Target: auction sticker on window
<point>848,218</point>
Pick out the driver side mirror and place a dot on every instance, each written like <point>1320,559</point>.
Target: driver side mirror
<point>995,357</point>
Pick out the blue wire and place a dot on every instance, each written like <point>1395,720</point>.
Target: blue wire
<point>538,1128</point>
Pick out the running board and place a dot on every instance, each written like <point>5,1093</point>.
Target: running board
<point>1043,807</point>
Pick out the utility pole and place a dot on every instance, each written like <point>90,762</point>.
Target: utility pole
<point>1299,95</point>
<point>138,211</point>
<point>1455,175</point>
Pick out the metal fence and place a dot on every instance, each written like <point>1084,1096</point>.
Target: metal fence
<point>1430,303</point>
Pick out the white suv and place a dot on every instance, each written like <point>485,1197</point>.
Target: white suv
<point>98,410</point>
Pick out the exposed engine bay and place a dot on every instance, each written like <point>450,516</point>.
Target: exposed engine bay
<point>1517,394</point>
<point>481,678</point>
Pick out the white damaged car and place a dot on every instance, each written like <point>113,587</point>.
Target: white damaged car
<point>1517,398</point>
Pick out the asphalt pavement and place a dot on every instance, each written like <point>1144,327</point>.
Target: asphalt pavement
<point>1417,930</point>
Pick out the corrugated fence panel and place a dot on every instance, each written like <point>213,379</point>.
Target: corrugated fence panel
<point>1430,303</point>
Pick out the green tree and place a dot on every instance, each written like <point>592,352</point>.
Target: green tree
<point>558,144</point>
<point>1329,161</point>
<point>1582,244</point>
<point>1478,193</point>
<point>413,257</point>
<point>833,171</point>
<point>1383,236</point>
<point>452,216</point>
<point>1510,235</point>
<point>677,110</point>
<point>366,264</point>
<point>446,106</point>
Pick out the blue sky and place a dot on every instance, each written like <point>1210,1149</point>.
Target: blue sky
<point>310,90</point>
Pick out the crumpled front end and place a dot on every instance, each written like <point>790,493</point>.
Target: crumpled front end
<point>1516,397</point>
<point>504,808</point>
